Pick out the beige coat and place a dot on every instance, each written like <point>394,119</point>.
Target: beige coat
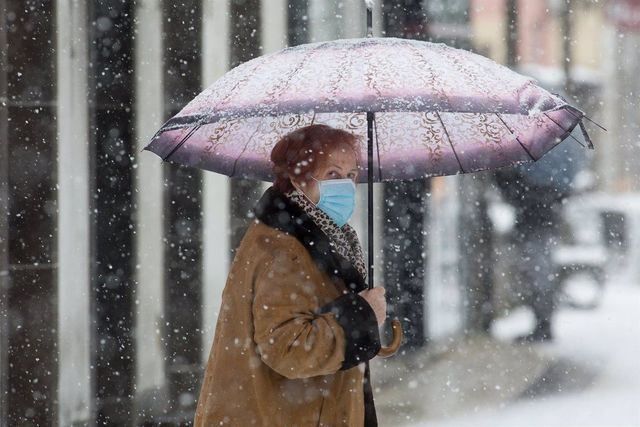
<point>291,338</point>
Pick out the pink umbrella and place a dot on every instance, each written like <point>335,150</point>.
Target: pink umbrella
<point>436,110</point>
<point>424,109</point>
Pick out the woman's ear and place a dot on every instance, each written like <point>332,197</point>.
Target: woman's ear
<point>295,184</point>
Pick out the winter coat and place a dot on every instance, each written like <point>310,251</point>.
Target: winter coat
<point>292,333</point>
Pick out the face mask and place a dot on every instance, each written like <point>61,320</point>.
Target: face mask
<point>337,199</point>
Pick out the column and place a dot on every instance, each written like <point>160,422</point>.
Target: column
<point>244,39</point>
<point>150,379</point>
<point>182,50</point>
<point>273,29</point>
<point>405,212</point>
<point>297,22</point>
<point>477,255</point>
<point>111,39</point>
<point>74,306</point>
<point>474,234</point>
<point>444,308</point>
<point>354,25</point>
<point>325,21</point>
<point>354,15</point>
<point>4,218</point>
<point>274,35</point>
<point>215,62</point>
<point>29,145</point>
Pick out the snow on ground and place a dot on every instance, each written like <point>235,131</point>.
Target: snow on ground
<point>595,380</point>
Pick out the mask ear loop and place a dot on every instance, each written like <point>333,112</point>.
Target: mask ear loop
<point>302,192</point>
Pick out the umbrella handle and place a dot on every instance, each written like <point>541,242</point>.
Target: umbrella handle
<point>392,348</point>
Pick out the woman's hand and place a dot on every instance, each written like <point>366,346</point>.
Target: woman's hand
<point>376,299</point>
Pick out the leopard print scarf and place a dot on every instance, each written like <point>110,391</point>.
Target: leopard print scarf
<point>344,239</point>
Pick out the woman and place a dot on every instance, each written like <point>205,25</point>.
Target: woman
<point>297,321</point>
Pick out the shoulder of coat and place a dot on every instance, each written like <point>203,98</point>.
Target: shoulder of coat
<point>274,239</point>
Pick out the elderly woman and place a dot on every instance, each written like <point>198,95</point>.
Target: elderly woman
<point>297,322</point>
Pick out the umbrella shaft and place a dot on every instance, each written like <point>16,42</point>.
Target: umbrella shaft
<point>370,195</point>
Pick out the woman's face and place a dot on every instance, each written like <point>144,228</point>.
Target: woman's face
<point>341,163</point>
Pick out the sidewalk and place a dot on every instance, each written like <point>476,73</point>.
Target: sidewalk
<point>589,376</point>
<point>452,377</point>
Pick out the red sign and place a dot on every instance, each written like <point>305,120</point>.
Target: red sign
<point>624,14</point>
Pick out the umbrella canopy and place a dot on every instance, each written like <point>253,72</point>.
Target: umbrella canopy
<point>436,110</point>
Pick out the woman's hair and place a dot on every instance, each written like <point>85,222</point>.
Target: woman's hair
<point>303,151</point>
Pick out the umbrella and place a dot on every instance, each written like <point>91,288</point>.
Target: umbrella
<point>424,109</point>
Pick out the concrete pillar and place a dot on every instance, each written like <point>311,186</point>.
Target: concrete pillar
<point>244,45</point>
<point>74,305</point>
<point>444,309</point>
<point>183,214</point>
<point>111,41</point>
<point>4,224</point>
<point>149,211</point>
<point>354,15</point>
<point>273,26</point>
<point>215,62</point>
<point>29,267</point>
<point>274,33</point>
<point>406,212</point>
<point>325,22</point>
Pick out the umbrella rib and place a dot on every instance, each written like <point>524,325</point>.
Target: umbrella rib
<point>449,139</point>
<point>516,136</point>
<point>566,131</point>
<point>375,130</point>
<point>235,162</point>
<point>585,135</point>
<point>181,143</point>
<point>588,118</point>
<point>595,123</point>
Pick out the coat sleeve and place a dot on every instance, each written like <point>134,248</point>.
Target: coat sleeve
<point>297,337</point>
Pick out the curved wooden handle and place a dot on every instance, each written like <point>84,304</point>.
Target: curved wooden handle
<point>392,348</point>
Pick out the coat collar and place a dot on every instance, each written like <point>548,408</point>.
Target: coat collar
<point>275,210</point>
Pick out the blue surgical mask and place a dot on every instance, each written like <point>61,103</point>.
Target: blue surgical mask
<point>337,199</point>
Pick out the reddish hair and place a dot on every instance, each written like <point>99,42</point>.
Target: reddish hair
<point>302,152</point>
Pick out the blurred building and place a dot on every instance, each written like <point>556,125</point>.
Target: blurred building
<point>599,57</point>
